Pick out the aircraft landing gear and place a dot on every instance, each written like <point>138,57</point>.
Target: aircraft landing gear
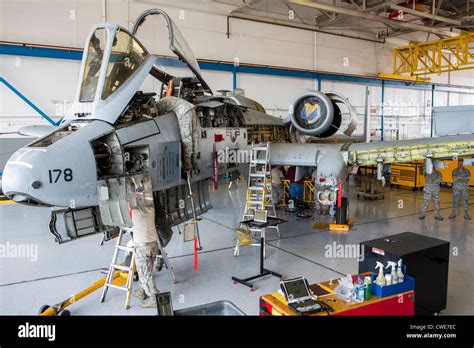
<point>342,222</point>
<point>342,212</point>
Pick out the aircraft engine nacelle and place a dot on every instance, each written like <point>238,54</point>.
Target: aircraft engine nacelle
<point>317,114</point>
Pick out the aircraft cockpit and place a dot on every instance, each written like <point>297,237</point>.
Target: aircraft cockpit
<point>113,67</point>
<point>95,54</point>
<point>126,56</point>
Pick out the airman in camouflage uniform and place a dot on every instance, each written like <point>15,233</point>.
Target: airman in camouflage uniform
<point>431,192</point>
<point>145,255</point>
<point>461,177</point>
<point>145,239</point>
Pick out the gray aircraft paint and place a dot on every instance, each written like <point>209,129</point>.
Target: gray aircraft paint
<point>28,179</point>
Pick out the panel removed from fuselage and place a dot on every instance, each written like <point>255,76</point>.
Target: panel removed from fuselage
<point>177,205</point>
<point>70,224</point>
<point>108,155</point>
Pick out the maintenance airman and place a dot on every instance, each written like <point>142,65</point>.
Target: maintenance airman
<point>431,192</point>
<point>461,178</point>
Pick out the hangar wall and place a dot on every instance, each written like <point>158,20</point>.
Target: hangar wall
<point>50,83</point>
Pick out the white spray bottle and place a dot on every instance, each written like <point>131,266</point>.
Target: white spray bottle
<point>380,278</point>
<point>393,274</point>
<point>401,276</point>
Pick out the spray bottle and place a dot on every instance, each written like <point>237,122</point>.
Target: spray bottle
<point>393,274</point>
<point>401,276</point>
<point>367,288</point>
<point>380,278</point>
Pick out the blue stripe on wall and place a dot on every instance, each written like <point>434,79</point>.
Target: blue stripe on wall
<point>61,53</point>
<point>29,102</point>
<point>42,52</point>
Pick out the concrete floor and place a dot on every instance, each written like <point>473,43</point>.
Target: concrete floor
<point>61,270</point>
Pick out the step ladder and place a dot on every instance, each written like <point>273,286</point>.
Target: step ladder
<point>164,256</point>
<point>127,272</point>
<point>124,271</point>
<point>259,188</point>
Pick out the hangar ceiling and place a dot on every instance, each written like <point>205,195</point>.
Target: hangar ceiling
<point>368,19</point>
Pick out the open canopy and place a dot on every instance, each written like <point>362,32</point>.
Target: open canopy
<point>177,43</point>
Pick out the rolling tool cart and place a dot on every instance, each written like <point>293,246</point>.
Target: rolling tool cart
<point>426,260</point>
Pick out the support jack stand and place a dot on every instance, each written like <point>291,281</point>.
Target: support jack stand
<point>263,271</point>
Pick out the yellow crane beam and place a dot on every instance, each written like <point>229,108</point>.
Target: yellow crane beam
<point>435,57</point>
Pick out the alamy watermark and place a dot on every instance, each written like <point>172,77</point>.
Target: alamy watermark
<point>344,251</point>
<point>28,330</point>
<point>25,251</point>
<point>236,156</point>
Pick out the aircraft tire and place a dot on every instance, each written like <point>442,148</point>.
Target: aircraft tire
<point>342,212</point>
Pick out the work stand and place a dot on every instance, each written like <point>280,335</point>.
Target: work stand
<point>263,271</point>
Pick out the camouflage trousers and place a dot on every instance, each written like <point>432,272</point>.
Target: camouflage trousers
<point>463,195</point>
<point>277,193</point>
<point>428,196</point>
<point>145,255</point>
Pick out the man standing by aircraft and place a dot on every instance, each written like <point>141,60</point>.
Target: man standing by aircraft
<point>461,177</point>
<point>277,184</point>
<point>296,186</point>
<point>145,238</point>
<point>431,192</point>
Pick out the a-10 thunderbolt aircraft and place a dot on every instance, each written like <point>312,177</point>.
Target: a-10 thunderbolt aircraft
<point>121,147</point>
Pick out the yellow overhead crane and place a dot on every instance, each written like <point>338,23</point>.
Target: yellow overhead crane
<point>412,61</point>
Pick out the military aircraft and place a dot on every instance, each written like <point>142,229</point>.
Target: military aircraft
<point>121,147</point>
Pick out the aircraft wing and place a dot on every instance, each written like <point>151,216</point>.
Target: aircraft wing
<point>410,150</point>
<point>363,154</point>
<point>35,131</point>
<point>304,155</point>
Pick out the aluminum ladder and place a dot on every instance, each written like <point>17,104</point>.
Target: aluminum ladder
<point>128,271</point>
<point>125,271</point>
<point>166,261</point>
<point>259,187</point>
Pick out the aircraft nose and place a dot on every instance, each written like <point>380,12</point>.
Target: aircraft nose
<point>19,181</point>
<point>60,176</point>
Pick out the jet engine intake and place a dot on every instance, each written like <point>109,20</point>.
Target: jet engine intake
<point>318,114</point>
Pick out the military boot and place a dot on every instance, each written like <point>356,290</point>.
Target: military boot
<point>422,216</point>
<point>466,216</point>
<point>159,264</point>
<point>439,217</point>
<point>150,302</point>
<point>453,214</point>
<point>140,294</point>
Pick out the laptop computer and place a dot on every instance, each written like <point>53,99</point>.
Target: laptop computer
<point>260,216</point>
<point>299,298</point>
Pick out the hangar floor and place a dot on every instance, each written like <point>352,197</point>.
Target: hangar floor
<point>60,271</point>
